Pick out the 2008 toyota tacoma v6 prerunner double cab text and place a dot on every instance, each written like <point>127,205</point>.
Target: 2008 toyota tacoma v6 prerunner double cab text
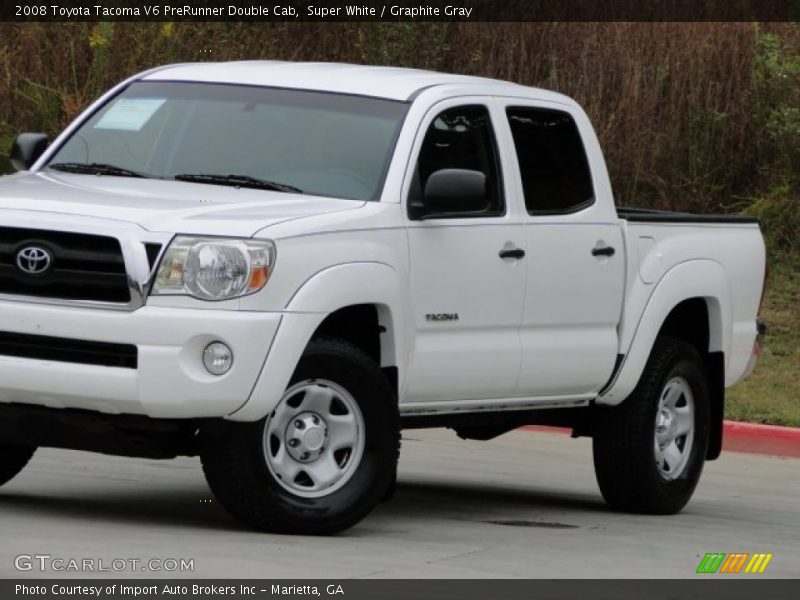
<point>278,266</point>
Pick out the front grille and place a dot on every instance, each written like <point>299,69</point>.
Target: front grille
<point>153,250</point>
<point>83,267</point>
<point>57,349</point>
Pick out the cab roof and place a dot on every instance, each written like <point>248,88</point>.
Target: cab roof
<point>392,83</point>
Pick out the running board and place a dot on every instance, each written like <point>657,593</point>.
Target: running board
<point>445,407</point>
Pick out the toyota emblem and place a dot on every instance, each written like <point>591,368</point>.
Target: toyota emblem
<point>34,260</point>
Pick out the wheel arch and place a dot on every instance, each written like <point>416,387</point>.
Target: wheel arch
<point>683,291</point>
<point>357,302</point>
<point>690,303</point>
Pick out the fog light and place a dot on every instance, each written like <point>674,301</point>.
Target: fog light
<point>217,358</point>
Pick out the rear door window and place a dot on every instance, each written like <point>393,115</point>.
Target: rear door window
<point>556,178</point>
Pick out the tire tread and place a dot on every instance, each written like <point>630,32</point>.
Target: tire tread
<point>625,471</point>
<point>231,465</point>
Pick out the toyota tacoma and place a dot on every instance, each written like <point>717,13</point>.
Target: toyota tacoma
<point>278,266</point>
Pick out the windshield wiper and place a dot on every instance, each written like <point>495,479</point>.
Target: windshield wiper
<point>95,169</point>
<point>245,181</point>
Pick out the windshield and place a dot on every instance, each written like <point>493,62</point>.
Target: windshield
<point>287,140</point>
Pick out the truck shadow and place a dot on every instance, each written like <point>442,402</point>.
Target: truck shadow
<point>490,498</point>
<point>169,508</point>
<point>193,506</point>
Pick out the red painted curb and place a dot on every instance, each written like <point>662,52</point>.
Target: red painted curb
<point>547,429</point>
<point>752,438</point>
<point>761,439</point>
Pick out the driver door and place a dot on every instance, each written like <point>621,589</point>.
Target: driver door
<point>467,280</point>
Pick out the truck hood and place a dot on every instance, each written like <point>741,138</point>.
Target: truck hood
<point>160,205</point>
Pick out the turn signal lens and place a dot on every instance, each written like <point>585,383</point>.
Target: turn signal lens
<point>258,278</point>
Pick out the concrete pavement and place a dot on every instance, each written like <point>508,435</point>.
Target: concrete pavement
<point>523,505</point>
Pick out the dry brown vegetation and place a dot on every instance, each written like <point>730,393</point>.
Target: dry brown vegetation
<point>684,110</point>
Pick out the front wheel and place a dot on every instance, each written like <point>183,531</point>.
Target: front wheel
<point>649,451</point>
<point>323,458</point>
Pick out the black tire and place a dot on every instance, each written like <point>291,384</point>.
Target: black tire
<point>237,472</point>
<point>624,443</point>
<point>12,460</point>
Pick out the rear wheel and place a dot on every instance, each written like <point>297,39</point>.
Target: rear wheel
<point>649,451</point>
<point>12,460</point>
<point>324,457</point>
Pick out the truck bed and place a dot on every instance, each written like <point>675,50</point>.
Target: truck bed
<point>721,256</point>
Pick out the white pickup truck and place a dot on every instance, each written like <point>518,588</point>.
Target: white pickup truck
<point>279,266</point>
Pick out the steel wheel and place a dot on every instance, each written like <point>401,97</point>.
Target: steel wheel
<point>674,431</point>
<point>322,459</point>
<point>649,451</point>
<point>314,439</point>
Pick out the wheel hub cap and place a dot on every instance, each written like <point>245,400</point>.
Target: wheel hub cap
<point>314,439</point>
<point>305,436</point>
<point>665,423</point>
<point>674,428</point>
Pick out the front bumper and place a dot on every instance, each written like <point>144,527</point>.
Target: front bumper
<point>169,380</point>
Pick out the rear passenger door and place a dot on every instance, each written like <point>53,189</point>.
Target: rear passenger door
<point>575,256</point>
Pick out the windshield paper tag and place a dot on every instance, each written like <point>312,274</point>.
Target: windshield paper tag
<point>129,114</point>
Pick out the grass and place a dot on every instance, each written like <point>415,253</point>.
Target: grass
<point>772,393</point>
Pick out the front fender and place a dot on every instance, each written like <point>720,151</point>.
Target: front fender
<point>691,279</point>
<point>323,293</point>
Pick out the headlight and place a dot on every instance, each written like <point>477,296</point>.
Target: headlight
<point>214,268</point>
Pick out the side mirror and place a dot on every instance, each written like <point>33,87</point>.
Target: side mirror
<point>27,149</point>
<point>453,191</point>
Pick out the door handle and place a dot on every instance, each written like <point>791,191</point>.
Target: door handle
<point>604,251</point>
<point>516,253</point>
